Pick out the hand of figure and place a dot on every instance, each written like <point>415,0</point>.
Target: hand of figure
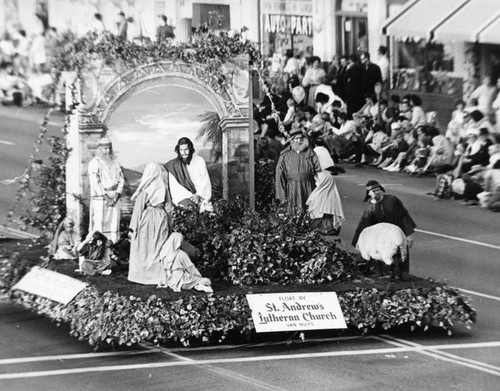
<point>169,207</point>
<point>409,241</point>
<point>196,199</point>
<point>109,200</point>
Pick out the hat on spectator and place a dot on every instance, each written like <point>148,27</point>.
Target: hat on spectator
<point>298,94</point>
<point>104,142</point>
<point>296,132</point>
<point>396,126</point>
<point>371,185</point>
<point>475,169</point>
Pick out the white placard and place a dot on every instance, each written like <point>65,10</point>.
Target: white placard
<point>296,311</point>
<point>52,285</point>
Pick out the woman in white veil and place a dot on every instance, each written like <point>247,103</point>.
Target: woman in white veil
<point>150,225</point>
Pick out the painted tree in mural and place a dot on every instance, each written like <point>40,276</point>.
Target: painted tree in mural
<point>211,133</point>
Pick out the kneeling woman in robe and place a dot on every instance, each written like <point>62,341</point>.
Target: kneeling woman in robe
<point>178,270</point>
<point>150,225</point>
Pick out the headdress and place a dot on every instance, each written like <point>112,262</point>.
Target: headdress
<point>370,185</point>
<point>104,142</point>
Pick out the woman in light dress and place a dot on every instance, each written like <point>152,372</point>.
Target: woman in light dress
<point>150,225</point>
<point>178,270</point>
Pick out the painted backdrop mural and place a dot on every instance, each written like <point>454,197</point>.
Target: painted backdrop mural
<point>147,126</point>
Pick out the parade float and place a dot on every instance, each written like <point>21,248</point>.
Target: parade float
<point>247,246</point>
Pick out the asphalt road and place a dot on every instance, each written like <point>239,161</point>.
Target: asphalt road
<point>19,129</point>
<point>456,243</point>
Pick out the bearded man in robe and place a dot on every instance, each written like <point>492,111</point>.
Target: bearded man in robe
<point>106,186</point>
<point>297,166</point>
<point>189,181</point>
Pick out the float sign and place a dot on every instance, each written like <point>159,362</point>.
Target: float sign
<point>52,285</point>
<point>296,311</point>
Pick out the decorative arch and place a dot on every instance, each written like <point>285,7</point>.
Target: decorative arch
<point>104,89</point>
<point>187,74</point>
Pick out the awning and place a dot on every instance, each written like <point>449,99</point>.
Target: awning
<point>421,17</point>
<point>469,23</point>
<point>491,33</point>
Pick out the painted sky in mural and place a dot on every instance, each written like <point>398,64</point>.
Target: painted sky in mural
<point>147,126</point>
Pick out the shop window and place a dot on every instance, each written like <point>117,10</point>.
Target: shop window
<point>424,67</point>
<point>424,55</point>
<point>215,16</point>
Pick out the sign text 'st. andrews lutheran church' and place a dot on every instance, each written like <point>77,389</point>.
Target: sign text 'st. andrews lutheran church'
<point>296,311</point>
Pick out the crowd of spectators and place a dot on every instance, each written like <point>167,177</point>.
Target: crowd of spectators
<point>26,60</point>
<point>346,110</point>
<point>25,63</point>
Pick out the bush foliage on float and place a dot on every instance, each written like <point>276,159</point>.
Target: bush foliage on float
<point>247,249</point>
<point>113,319</point>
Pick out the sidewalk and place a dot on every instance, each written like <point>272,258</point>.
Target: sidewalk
<point>12,233</point>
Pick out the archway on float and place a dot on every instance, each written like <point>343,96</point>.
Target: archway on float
<point>145,110</point>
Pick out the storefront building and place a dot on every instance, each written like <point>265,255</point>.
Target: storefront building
<point>352,26</point>
<point>441,50</point>
<point>286,25</point>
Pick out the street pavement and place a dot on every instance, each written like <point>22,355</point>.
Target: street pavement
<point>454,243</point>
<point>19,129</point>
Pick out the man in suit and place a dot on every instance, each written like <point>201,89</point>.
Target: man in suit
<point>372,74</point>
<point>355,76</point>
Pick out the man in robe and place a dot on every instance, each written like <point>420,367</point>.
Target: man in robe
<point>106,186</point>
<point>385,208</point>
<point>189,181</point>
<point>295,172</point>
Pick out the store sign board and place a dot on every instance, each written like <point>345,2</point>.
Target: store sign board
<point>50,284</point>
<point>288,24</point>
<point>296,7</point>
<point>296,311</point>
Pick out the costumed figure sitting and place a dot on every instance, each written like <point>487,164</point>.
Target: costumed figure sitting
<point>189,181</point>
<point>65,241</point>
<point>94,255</point>
<point>178,271</point>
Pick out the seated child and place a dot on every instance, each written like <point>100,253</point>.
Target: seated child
<point>65,241</point>
<point>94,255</point>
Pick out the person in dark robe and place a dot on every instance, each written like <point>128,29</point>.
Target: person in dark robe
<point>295,172</point>
<point>94,255</point>
<point>189,181</point>
<point>385,208</point>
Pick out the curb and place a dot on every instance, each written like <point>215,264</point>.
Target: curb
<point>12,233</point>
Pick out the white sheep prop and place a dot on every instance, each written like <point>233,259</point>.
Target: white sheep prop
<point>386,243</point>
